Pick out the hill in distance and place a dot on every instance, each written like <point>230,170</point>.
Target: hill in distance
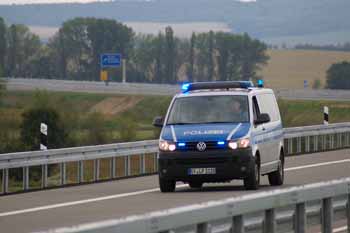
<point>273,20</point>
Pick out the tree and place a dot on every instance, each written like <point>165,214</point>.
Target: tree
<point>22,46</point>
<point>170,58</point>
<point>3,45</point>
<point>190,70</point>
<point>338,76</point>
<point>80,42</point>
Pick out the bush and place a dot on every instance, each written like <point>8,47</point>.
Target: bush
<point>2,88</point>
<point>96,130</point>
<point>30,128</point>
<point>127,129</point>
<point>317,84</point>
<point>338,76</point>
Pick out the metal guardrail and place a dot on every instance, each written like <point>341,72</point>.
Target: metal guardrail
<point>285,210</point>
<point>43,169</point>
<point>155,89</point>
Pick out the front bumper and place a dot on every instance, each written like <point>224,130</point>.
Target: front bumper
<point>229,164</point>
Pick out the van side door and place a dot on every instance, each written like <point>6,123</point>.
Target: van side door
<point>258,133</point>
<point>267,104</point>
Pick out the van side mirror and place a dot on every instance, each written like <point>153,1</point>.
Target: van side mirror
<point>262,118</point>
<point>158,121</point>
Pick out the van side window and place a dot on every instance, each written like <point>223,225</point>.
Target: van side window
<point>256,110</point>
<point>268,104</point>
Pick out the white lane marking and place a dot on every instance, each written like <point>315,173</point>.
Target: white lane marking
<point>173,133</point>
<point>340,229</point>
<point>317,165</point>
<point>73,203</point>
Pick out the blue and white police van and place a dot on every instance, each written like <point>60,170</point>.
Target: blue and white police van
<point>220,131</point>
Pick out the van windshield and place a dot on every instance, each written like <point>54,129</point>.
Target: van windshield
<point>209,109</point>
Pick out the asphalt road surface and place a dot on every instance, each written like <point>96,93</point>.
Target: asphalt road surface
<point>64,207</point>
<point>155,89</point>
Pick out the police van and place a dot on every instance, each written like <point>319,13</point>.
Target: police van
<point>220,131</point>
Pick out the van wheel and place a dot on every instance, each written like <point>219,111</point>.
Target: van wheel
<point>195,184</point>
<point>166,186</point>
<point>276,178</point>
<point>252,182</point>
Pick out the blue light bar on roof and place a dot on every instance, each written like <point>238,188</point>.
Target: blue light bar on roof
<point>185,87</point>
<point>216,85</point>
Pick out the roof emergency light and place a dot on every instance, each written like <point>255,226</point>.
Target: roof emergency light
<point>186,87</point>
<point>260,83</point>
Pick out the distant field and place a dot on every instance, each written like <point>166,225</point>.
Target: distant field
<point>289,68</point>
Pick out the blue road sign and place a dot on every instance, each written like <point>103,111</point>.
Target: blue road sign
<point>111,60</point>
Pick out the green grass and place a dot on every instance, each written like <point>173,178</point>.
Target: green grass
<point>75,110</point>
<point>302,113</point>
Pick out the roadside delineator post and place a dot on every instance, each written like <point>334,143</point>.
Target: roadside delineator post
<point>325,115</point>
<point>43,136</point>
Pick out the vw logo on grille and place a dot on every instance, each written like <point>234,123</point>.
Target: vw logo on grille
<point>201,146</point>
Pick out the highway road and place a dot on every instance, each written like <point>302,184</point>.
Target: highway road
<point>42,210</point>
<point>155,89</point>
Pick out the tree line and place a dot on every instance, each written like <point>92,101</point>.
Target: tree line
<point>73,53</point>
<point>345,47</point>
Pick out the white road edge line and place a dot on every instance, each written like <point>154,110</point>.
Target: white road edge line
<point>316,165</point>
<point>73,203</point>
<point>340,229</point>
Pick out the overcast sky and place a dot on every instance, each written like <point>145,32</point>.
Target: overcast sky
<point>3,2</point>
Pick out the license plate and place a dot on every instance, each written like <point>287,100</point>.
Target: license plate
<point>202,171</point>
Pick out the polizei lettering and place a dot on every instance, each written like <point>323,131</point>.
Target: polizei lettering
<point>203,132</point>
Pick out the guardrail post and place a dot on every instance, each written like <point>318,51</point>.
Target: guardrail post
<point>270,221</point>
<point>237,224</point>
<point>5,180</point>
<point>44,176</point>
<point>327,215</point>
<point>300,218</point>
<point>155,162</point>
<point>324,142</point>
<point>113,163</point>
<point>339,140</point>
<point>298,145</point>
<point>203,228</point>
<point>290,146</point>
<point>143,164</point>
<point>63,173</point>
<point>96,169</point>
<point>127,166</point>
<point>25,178</point>
<point>348,211</point>
<point>307,144</point>
<point>315,143</point>
<point>332,141</point>
<point>80,171</point>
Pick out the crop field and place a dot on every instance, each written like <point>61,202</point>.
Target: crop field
<point>289,68</point>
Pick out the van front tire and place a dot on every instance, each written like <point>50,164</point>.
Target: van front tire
<point>166,186</point>
<point>276,178</point>
<point>252,182</point>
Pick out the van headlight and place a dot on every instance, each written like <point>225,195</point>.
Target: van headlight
<point>166,146</point>
<point>242,143</point>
